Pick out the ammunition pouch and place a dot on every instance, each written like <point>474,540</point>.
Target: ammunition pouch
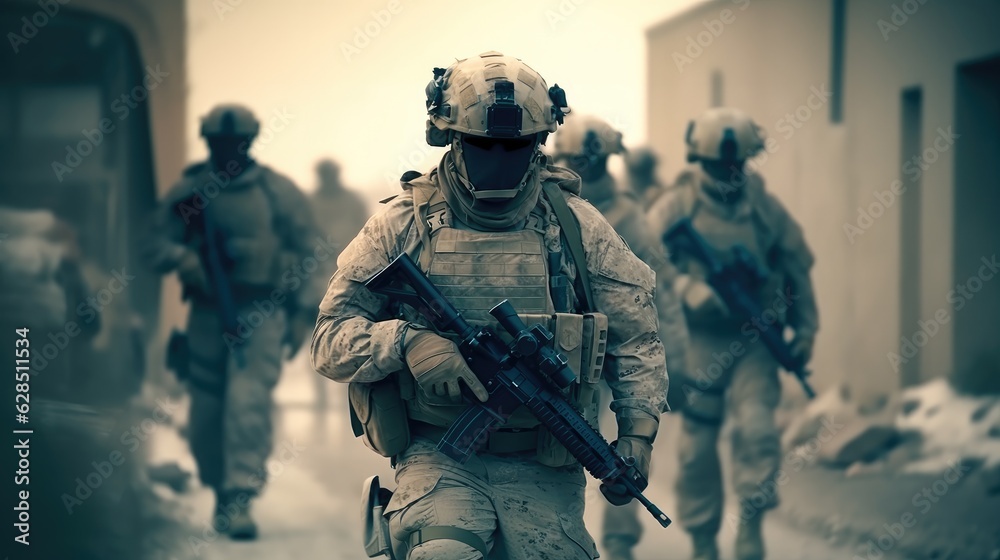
<point>583,340</point>
<point>378,416</point>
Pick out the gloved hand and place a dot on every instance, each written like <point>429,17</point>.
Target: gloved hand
<point>699,298</point>
<point>641,450</point>
<point>439,367</point>
<point>192,273</point>
<point>802,348</point>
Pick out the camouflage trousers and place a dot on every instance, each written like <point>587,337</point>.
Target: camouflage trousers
<point>735,376</point>
<point>519,508</point>
<point>230,425</point>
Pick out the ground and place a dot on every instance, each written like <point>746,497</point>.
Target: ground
<point>311,508</point>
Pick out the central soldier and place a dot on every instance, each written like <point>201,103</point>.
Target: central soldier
<point>493,221</point>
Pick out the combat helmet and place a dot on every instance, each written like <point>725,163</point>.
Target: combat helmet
<point>723,134</point>
<point>491,95</point>
<point>589,136</point>
<point>229,119</point>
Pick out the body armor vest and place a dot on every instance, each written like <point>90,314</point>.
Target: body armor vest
<point>475,271</point>
<point>725,228</point>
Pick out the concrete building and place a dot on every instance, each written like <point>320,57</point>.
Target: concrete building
<point>883,116</point>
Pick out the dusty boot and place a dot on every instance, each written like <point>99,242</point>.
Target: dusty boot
<point>703,545</point>
<point>242,526</point>
<point>749,539</point>
<point>618,548</point>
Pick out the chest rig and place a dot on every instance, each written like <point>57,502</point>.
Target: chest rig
<point>476,270</point>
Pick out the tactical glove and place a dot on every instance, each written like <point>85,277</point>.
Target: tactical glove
<point>439,367</point>
<point>192,273</point>
<point>639,449</point>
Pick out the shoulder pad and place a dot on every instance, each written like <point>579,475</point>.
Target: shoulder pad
<point>195,168</point>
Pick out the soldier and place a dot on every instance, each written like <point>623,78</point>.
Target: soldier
<point>232,229</point>
<point>340,213</point>
<point>728,206</point>
<point>494,220</point>
<point>641,165</point>
<point>584,145</point>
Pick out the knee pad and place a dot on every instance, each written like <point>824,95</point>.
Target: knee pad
<point>443,549</point>
<point>446,543</point>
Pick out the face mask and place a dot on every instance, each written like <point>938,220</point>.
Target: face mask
<point>229,152</point>
<point>496,166</point>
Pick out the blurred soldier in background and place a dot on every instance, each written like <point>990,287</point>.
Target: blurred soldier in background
<point>584,145</point>
<point>340,213</point>
<point>522,495</point>
<point>728,205</point>
<point>232,230</point>
<point>641,164</point>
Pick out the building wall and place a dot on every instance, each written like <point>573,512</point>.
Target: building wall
<point>773,57</point>
<point>160,29</point>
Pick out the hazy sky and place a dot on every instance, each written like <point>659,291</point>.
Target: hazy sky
<point>346,79</point>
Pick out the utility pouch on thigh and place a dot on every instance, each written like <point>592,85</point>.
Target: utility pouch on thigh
<point>378,416</point>
<point>376,536</point>
<point>583,340</point>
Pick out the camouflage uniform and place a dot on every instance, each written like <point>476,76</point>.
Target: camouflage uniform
<point>231,407</point>
<point>733,369</point>
<point>266,228</point>
<point>515,505</point>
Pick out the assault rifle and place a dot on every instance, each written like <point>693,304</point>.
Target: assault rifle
<point>216,260</point>
<point>731,282</point>
<point>526,373</point>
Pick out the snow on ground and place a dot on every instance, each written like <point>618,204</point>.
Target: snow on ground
<point>953,426</point>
